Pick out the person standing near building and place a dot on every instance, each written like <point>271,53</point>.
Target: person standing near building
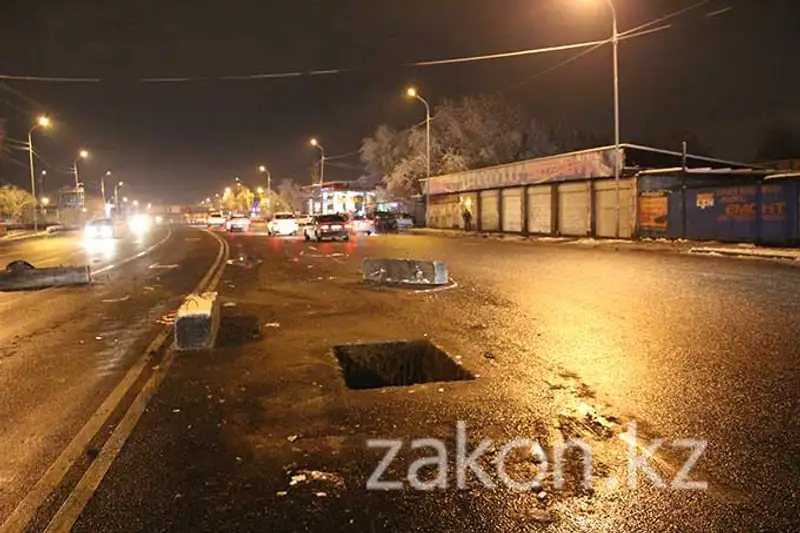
<point>467,216</point>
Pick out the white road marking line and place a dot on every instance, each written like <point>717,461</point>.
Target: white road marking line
<point>453,285</point>
<point>133,257</point>
<point>29,506</point>
<point>73,506</point>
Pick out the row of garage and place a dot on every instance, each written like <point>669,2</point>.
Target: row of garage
<point>587,207</point>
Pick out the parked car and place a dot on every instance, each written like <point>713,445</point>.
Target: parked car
<point>362,224</point>
<point>404,221</point>
<point>304,220</point>
<point>216,219</point>
<point>282,224</point>
<point>238,223</point>
<point>327,227</point>
<point>385,221</point>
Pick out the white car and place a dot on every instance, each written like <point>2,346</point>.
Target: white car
<point>238,223</point>
<point>282,224</point>
<point>216,219</point>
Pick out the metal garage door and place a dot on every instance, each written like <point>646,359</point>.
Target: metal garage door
<point>490,217</point>
<point>605,208</point>
<point>573,208</point>
<point>445,211</point>
<point>540,209</point>
<point>512,209</point>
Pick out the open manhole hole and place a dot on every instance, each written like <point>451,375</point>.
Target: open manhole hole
<point>396,364</point>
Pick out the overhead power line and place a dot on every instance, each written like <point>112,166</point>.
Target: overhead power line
<point>326,72</point>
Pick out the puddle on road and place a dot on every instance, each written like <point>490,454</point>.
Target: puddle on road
<point>396,364</point>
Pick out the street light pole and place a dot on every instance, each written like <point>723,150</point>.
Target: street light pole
<point>617,162</point>
<point>263,169</point>
<point>413,93</point>
<point>40,122</point>
<point>321,161</point>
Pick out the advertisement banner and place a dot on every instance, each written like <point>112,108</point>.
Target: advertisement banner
<point>654,210</point>
<point>577,166</point>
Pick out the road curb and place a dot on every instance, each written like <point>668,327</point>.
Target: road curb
<point>752,252</point>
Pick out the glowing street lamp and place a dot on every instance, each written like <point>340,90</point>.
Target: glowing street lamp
<point>45,201</point>
<point>83,154</point>
<point>41,122</point>
<point>412,93</point>
<point>617,162</point>
<point>316,144</point>
<point>265,170</point>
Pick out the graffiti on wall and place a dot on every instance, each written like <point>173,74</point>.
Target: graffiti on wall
<point>653,210</point>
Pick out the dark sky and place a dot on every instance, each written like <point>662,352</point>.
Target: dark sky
<point>723,77</point>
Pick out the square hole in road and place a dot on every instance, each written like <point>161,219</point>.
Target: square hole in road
<point>396,364</point>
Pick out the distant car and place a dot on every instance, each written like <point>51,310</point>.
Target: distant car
<point>101,228</point>
<point>304,220</point>
<point>327,227</point>
<point>238,223</point>
<point>404,221</point>
<point>216,219</point>
<point>385,221</point>
<point>362,224</point>
<point>282,224</point>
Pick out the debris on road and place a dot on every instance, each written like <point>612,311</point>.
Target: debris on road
<point>168,318</point>
<point>541,516</point>
<point>292,438</point>
<point>157,266</point>
<point>281,493</point>
<point>244,261</point>
<point>117,300</point>
<point>489,355</point>
<point>272,325</point>
<point>20,275</point>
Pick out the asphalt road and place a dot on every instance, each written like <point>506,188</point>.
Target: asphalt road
<point>564,341</point>
<point>62,350</point>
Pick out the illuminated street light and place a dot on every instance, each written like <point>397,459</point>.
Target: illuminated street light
<point>316,144</point>
<point>136,203</point>
<point>208,200</point>
<point>227,190</point>
<point>260,190</point>
<point>41,122</point>
<point>412,92</point>
<point>617,162</point>
<point>83,154</point>
<point>125,199</point>
<point>264,170</point>
<point>45,201</point>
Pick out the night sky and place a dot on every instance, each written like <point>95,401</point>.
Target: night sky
<point>724,77</point>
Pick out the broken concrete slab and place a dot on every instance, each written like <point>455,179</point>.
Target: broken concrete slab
<point>404,271</point>
<point>197,322</point>
<point>22,276</point>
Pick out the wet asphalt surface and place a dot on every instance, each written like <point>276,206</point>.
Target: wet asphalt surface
<point>564,341</point>
<point>62,350</point>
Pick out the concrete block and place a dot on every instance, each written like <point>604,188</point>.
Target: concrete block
<point>197,322</point>
<point>22,276</point>
<point>404,271</point>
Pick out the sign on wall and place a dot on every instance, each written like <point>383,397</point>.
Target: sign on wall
<point>654,210</point>
<point>577,166</point>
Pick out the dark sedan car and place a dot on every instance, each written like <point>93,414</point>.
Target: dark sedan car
<point>327,227</point>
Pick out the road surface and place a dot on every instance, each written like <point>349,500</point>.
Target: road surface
<point>563,341</point>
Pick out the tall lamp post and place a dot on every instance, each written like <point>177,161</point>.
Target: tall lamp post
<point>265,170</point>
<point>116,197</point>
<point>412,92</point>
<point>41,122</point>
<point>316,143</point>
<point>617,162</point>
<point>83,154</point>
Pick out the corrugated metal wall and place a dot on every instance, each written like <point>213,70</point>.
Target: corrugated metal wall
<point>573,208</point>
<point>540,209</point>
<point>445,211</point>
<point>490,215</point>
<point>512,209</point>
<point>605,208</point>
